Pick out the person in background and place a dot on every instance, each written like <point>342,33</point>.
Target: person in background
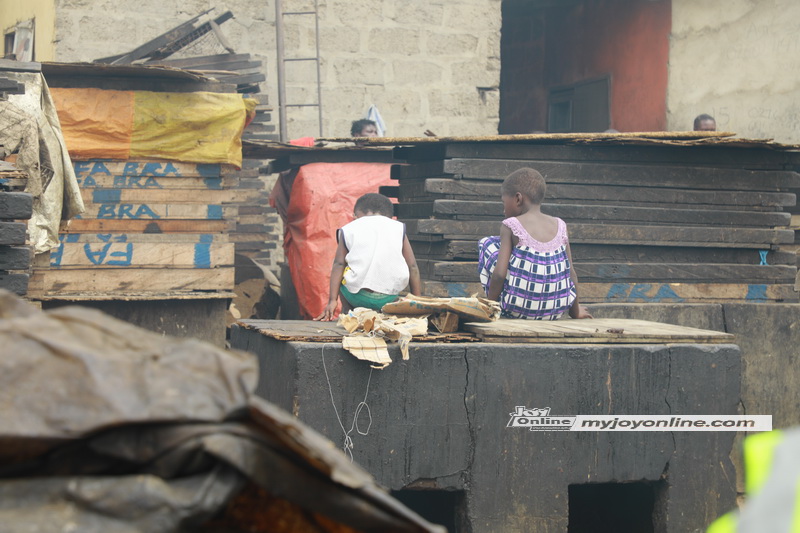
<point>364,128</point>
<point>528,268</point>
<point>374,260</point>
<point>705,123</point>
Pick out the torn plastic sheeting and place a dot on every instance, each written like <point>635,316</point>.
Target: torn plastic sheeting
<point>74,370</point>
<point>43,156</point>
<point>150,427</point>
<point>118,504</point>
<point>321,201</point>
<point>198,127</point>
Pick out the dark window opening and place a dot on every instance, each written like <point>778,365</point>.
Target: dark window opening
<point>442,507</point>
<point>615,507</point>
<point>8,46</point>
<point>582,107</point>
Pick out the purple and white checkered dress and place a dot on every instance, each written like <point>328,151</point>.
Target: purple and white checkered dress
<point>537,285</point>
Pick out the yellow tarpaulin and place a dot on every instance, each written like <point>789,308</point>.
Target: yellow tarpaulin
<point>197,127</point>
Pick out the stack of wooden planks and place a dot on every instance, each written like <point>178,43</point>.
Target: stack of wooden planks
<point>151,229</point>
<point>649,222</point>
<point>16,207</point>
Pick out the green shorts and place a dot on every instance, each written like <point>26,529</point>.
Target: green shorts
<point>367,298</point>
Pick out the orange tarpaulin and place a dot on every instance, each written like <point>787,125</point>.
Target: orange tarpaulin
<point>322,200</point>
<point>199,127</point>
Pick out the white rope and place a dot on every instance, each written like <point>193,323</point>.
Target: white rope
<point>347,446</point>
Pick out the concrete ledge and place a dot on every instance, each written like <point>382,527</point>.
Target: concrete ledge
<point>439,421</point>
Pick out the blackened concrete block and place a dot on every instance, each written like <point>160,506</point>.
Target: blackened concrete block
<point>439,421</point>
<point>16,205</point>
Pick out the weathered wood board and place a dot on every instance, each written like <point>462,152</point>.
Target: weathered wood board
<point>625,292</point>
<point>731,157</point>
<point>445,250</point>
<point>94,225</point>
<point>602,213</point>
<point>602,330</point>
<point>122,280</point>
<point>312,331</point>
<point>168,196</point>
<point>142,255</point>
<point>663,176</point>
<point>146,169</point>
<point>433,188</point>
<point>108,181</point>
<point>160,211</point>
<point>632,272</point>
<point>618,233</point>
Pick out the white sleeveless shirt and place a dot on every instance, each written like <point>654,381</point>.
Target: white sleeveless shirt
<point>375,255</point>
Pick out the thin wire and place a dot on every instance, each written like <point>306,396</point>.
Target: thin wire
<point>347,446</point>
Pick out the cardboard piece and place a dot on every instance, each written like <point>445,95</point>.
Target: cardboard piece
<point>379,326</point>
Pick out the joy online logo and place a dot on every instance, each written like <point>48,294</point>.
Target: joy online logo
<point>539,419</point>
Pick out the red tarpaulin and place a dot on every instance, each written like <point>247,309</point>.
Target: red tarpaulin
<point>321,201</point>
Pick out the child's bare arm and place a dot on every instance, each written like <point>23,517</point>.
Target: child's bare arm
<point>414,280</point>
<point>337,274</point>
<point>501,268</point>
<point>576,310</point>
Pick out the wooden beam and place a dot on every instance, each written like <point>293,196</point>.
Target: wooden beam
<point>662,176</point>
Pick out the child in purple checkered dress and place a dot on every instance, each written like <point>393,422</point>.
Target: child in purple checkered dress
<point>528,268</point>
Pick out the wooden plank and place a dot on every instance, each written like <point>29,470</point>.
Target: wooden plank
<point>342,156</point>
<point>141,280</point>
<point>144,237</point>
<point>132,296</point>
<point>198,62</point>
<point>644,292</point>
<point>633,272</point>
<point>735,157</point>
<point>601,253</point>
<point>418,170</point>
<point>139,255</point>
<point>144,169</point>
<point>167,196</point>
<point>620,234</point>
<point>93,225</point>
<point>307,331</point>
<point>572,213</point>
<point>592,330</point>
<point>559,192</point>
<point>685,292</point>
<point>661,176</point>
<point>160,211</point>
<point>108,181</point>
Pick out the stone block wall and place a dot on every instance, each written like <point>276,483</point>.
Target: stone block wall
<point>425,65</point>
<point>738,61</point>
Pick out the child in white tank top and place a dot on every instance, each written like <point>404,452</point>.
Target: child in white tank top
<point>374,261</point>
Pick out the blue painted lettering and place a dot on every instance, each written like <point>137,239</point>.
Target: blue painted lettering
<point>639,292</point>
<point>106,211</point>
<point>618,291</point>
<point>665,292</point>
<point>152,183</point>
<point>130,169</point>
<point>99,168</point>
<point>57,254</point>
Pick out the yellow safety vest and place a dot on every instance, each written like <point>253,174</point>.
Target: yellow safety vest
<point>772,484</point>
